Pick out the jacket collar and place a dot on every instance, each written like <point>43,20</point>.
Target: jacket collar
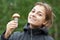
<point>38,31</point>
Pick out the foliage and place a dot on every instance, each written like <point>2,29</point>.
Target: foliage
<point>23,7</point>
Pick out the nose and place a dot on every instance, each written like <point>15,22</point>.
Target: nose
<point>33,15</point>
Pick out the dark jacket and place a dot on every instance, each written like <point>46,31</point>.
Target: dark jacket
<point>0,37</point>
<point>30,34</point>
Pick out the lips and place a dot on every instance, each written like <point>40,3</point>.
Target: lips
<point>32,19</point>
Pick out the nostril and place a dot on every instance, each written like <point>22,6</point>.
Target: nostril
<point>33,15</point>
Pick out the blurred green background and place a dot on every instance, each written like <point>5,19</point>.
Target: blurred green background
<point>23,7</point>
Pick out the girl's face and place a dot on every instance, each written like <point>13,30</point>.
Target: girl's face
<point>36,16</point>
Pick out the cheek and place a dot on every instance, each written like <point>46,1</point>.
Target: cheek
<point>41,20</point>
<point>29,14</point>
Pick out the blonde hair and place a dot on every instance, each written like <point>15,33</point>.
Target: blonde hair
<point>49,13</point>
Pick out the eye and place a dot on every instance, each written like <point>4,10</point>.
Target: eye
<point>33,11</point>
<point>40,14</point>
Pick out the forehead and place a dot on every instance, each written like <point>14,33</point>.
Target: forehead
<point>39,8</point>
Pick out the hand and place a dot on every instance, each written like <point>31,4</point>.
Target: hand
<point>11,26</point>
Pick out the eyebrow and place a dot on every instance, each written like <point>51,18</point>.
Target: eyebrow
<point>39,12</point>
<point>33,9</point>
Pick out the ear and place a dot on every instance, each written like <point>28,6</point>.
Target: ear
<point>45,22</point>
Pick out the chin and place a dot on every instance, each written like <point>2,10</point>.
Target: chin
<point>32,23</point>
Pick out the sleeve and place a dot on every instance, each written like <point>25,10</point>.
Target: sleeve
<point>49,38</point>
<point>14,36</point>
<point>0,37</point>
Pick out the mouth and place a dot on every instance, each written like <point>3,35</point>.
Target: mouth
<point>32,19</point>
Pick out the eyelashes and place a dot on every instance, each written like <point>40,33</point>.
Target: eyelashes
<point>33,11</point>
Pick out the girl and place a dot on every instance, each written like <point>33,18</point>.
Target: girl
<point>39,20</point>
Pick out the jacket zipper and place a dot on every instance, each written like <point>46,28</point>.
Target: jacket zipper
<point>31,34</point>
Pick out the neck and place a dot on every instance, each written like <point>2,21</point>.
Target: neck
<point>34,27</point>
